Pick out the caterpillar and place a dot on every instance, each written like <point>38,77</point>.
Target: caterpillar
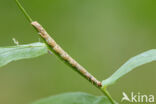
<point>64,55</point>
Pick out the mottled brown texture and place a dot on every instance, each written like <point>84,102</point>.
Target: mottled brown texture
<point>64,55</point>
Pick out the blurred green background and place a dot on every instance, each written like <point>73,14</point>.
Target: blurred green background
<point>100,34</point>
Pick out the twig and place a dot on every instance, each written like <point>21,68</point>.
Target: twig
<point>24,11</point>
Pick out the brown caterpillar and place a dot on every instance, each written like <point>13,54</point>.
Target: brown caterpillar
<point>64,55</point>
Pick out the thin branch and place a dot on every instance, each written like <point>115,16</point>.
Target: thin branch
<point>106,93</point>
<point>24,11</point>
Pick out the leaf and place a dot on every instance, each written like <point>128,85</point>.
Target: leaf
<point>74,98</point>
<point>13,53</point>
<point>132,63</point>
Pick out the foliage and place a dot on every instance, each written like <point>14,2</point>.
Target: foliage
<point>134,62</point>
<point>18,52</point>
<point>13,53</point>
<point>74,98</point>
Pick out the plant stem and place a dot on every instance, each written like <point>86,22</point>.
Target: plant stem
<point>105,92</point>
<point>55,48</point>
<point>24,11</point>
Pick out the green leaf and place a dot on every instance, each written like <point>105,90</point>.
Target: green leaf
<point>13,53</point>
<point>74,98</point>
<point>132,63</point>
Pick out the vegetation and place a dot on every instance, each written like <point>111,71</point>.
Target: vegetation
<point>14,53</point>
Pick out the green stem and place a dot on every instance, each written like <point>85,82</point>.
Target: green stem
<point>24,11</point>
<point>105,92</point>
